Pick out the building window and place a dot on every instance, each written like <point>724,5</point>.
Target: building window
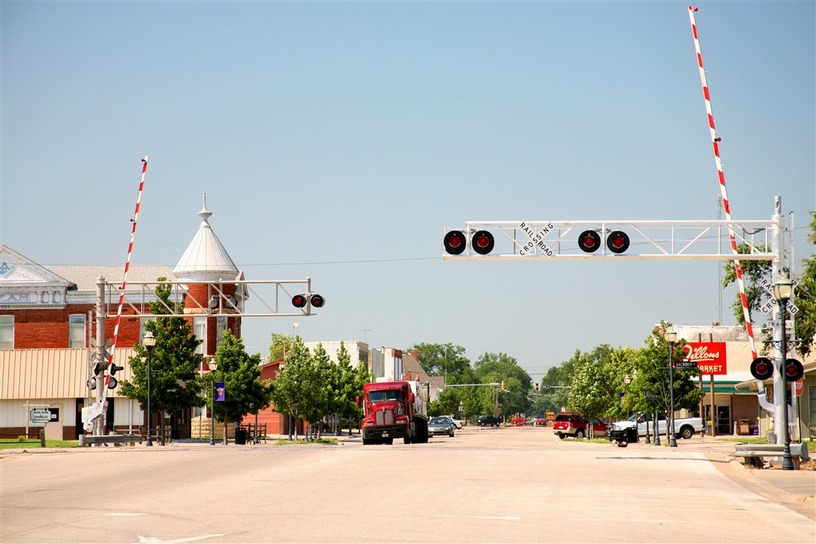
<point>220,327</point>
<point>6,332</point>
<point>200,332</point>
<point>76,331</point>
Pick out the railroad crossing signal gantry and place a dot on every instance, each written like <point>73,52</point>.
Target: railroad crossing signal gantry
<point>630,240</point>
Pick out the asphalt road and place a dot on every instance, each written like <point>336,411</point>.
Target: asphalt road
<point>484,485</point>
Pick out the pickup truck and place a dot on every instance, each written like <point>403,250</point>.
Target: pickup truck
<point>684,427</point>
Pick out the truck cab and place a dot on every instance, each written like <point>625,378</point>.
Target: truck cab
<point>393,410</point>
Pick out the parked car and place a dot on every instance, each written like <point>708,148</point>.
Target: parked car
<point>441,426</point>
<point>488,421</point>
<point>518,422</point>
<point>573,425</point>
<point>456,422</point>
<point>538,421</point>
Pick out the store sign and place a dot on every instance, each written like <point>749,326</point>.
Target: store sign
<point>710,356</point>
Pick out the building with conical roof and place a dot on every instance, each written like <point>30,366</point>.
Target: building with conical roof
<point>206,261</point>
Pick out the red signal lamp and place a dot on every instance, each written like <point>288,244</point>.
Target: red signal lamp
<point>482,242</point>
<point>455,242</point>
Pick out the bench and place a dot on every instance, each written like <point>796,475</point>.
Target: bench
<point>88,439</point>
<point>752,454</point>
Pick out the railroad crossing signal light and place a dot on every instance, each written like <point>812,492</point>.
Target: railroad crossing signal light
<point>482,242</point>
<point>617,241</point>
<point>455,242</point>
<point>589,241</point>
<point>114,369</point>
<point>98,368</point>
<point>300,301</point>
<point>112,382</point>
<point>762,368</point>
<point>794,370</point>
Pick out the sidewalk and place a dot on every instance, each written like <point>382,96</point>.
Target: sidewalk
<point>795,489</point>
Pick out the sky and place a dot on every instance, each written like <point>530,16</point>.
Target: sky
<point>341,140</point>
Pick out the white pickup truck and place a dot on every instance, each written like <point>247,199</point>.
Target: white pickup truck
<point>684,427</point>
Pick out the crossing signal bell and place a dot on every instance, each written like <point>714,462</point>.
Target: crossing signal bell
<point>617,242</point>
<point>300,301</point>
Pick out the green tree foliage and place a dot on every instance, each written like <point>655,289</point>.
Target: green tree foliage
<point>649,390</point>
<point>805,298</point>
<point>596,381</point>
<point>752,272</point>
<point>298,390</point>
<point>174,383</point>
<point>495,368</point>
<point>445,360</point>
<point>281,343</point>
<point>804,293</point>
<point>352,380</point>
<point>241,374</point>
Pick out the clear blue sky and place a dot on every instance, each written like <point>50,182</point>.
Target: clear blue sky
<point>339,140</point>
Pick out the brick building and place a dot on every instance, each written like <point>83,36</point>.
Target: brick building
<point>47,332</point>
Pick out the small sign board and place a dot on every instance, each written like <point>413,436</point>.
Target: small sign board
<point>685,363</point>
<point>39,415</point>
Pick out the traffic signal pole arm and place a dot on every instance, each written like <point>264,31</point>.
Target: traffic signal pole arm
<point>632,240</point>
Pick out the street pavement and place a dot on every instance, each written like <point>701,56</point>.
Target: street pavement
<point>484,485</point>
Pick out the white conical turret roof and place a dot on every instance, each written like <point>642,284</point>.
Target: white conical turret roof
<point>205,258</point>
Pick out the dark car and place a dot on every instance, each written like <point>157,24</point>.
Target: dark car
<point>441,425</point>
<point>488,421</point>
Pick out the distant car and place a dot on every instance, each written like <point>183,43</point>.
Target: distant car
<point>488,421</point>
<point>538,421</point>
<point>518,421</point>
<point>456,422</point>
<point>441,426</point>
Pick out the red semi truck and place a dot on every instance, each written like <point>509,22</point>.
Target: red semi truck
<point>394,410</point>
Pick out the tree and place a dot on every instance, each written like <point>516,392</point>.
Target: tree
<point>352,380</point>
<point>241,374</point>
<point>756,296</point>
<point>649,391</point>
<point>805,322</point>
<point>281,343</point>
<point>297,389</point>
<point>595,383</point>
<point>174,382</point>
<point>497,368</point>
<point>444,360</point>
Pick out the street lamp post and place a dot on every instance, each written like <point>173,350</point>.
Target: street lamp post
<point>782,290</point>
<point>213,366</point>
<point>671,337</point>
<point>149,342</point>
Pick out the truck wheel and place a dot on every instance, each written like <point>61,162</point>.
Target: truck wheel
<point>388,441</point>
<point>561,436</point>
<point>579,434</point>
<point>451,434</point>
<point>406,439</point>
<point>686,432</point>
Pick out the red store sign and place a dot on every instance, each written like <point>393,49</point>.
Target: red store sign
<point>710,356</point>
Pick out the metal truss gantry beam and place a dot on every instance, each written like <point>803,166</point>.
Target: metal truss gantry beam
<point>650,240</point>
<point>217,300</point>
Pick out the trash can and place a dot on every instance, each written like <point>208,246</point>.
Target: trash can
<point>240,436</point>
<point>743,427</point>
